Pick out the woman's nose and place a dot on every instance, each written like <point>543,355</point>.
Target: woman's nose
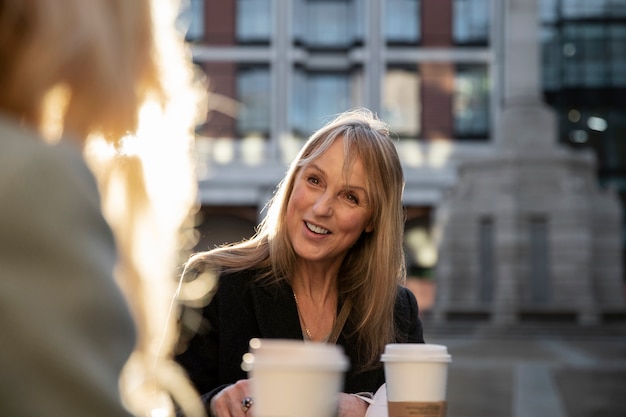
<point>323,205</point>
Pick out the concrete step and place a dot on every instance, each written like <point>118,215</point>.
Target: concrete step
<point>486,330</point>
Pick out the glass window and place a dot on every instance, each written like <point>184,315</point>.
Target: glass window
<point>595,67</point>
<point>401,107</point>
<point>548,11</point>
<point>551,56</point>
<point>402,21</point>
<point>328,24</point>
<point>586,55</point>
<point>617,51</point>
<point>595,8</point>
<point>253,94</point>
<point>584,45</point>
<point>471,22</point>
<point>319,95</point>
<point>254,21</point>
<point>471,102</point>
<point>553,10</point>
<point>222,82</point>
<point>238,122</point>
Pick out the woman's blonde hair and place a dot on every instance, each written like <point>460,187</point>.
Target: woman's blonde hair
<point>374,266</point>
<point>115,77</point>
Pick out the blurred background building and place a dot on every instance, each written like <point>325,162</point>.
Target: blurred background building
<point>435,71</point>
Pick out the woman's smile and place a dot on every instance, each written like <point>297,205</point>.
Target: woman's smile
<point>316,229</point>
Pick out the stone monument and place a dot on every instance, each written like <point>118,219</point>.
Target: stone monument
<point>526,233</point>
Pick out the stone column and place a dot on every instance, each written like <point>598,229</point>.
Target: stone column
<point>526,122</point>
<point>522,227</point>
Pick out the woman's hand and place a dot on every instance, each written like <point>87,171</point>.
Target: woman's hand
<point>230,401</point>
<point>351,406</point>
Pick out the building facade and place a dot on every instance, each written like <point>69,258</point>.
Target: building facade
<point>432,69</point>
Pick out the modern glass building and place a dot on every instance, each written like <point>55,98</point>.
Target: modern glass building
<point>278,69</point>
<point>584,79</point>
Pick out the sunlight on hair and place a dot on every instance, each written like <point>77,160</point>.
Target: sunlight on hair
<point>159,412</point>
<point>152,173</point>
<point>195,293</point>
<point>54,104</point>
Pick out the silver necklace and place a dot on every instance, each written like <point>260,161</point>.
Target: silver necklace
<point>306,329</point>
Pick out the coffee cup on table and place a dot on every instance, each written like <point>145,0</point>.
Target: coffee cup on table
<point>416,379</point>
<point>292,378</point>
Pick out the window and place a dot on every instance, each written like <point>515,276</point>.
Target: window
<point>585,52</point>
<point>471,102</point>
<point>584,44</point>
<point>319,95</point>
<point>617,52</point>
<point>471,22</point>
<point>597,8</point>
<point>547,10</point>
<point>253,91</point>
<point>551,56</point>
<point>402,22</point>
<point>328,24</point>
<point>254,21</point>
<point>401,107</point>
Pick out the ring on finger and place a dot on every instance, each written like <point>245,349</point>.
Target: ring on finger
<point>246,403</point>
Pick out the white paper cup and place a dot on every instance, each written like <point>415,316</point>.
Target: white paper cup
<point>291,378</point>
<point>416,377</point>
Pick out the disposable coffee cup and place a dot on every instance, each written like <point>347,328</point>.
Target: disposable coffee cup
<point>416,379</point>
<point>292,378</point>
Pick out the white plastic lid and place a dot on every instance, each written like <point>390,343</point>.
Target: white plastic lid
<point>294,354</point>
<point>415,352</point>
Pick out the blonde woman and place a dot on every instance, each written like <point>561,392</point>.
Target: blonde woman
<point>90,234</point>
<point>326,265</point>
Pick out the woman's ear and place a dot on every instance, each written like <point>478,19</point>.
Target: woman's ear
<point>369,228</point>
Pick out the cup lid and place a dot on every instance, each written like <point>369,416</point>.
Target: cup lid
<point>287,353</point>
<point>420,352</point>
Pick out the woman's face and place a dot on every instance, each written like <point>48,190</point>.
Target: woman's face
<point>328,209</point>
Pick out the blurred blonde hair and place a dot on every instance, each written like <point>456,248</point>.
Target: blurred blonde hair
<point>115,77</point>
<point>373,267</point>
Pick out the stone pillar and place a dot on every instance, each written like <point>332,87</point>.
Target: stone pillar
<point>522,228</point>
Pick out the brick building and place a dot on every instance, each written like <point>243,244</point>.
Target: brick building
<point>434,70</point>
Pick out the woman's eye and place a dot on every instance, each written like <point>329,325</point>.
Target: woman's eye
<point>313,180</point>
<point>352,198</point>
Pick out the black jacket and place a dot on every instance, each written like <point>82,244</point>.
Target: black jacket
<point>242,309</point>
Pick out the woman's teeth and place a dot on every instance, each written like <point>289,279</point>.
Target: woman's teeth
<point>316,229</point>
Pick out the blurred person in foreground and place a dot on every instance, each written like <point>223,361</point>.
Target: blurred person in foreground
<point>97,99</point>
<point>326,265</point>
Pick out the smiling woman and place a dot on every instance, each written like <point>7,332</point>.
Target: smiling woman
<point>326,265</point>
<point>328,209</point>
